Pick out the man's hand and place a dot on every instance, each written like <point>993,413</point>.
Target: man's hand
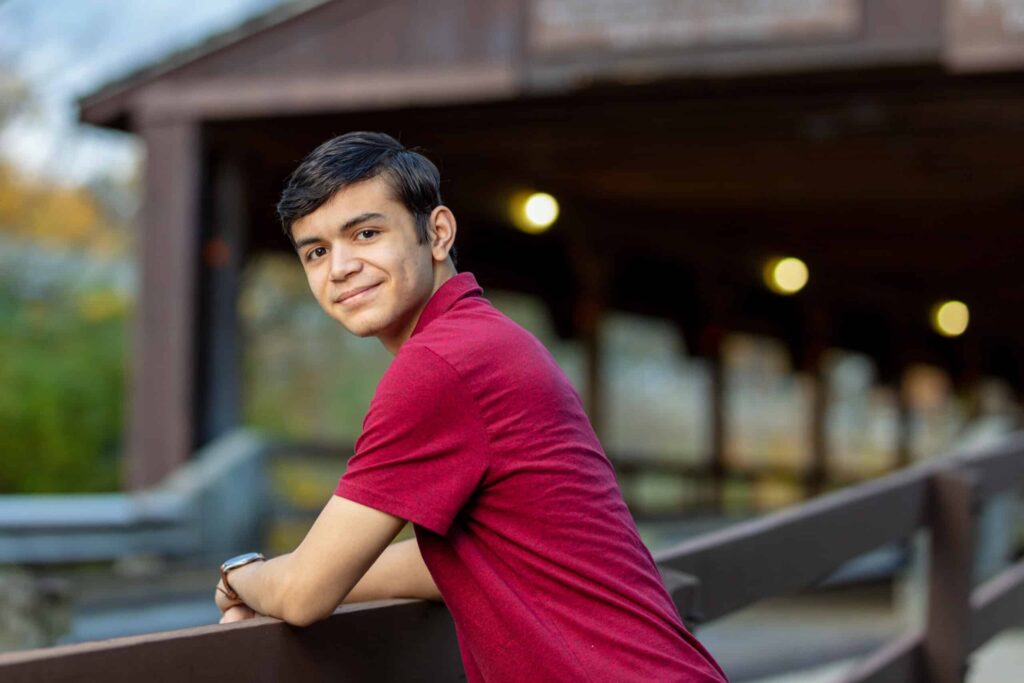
<point>220,596</point>
<point>237,613</point>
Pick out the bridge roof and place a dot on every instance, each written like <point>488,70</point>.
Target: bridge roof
<point>878,141</point>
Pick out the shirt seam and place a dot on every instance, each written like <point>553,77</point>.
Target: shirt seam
<point>476,405</point>
<point>433,521</point>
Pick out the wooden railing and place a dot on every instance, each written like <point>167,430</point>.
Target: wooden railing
<point>708,577</point>
<point>794,549</point>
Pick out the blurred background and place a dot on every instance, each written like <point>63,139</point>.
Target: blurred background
<point>773,244</point>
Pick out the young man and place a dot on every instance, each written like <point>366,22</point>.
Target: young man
<point>477,438</point>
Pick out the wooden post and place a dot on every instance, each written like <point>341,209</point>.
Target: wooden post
<point>815,345</point>
<point>817,473</point>
<point>951,519</point>
<point>218,398</point>
<point>711,343</point>
<point>591,286</point>
<point>160,423</point>
<point>588,314</point>
<point>903,427</point>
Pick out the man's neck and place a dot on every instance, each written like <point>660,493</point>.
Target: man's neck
<point>442,274</point>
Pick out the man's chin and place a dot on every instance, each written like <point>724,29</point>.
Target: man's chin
<point>360,329</point>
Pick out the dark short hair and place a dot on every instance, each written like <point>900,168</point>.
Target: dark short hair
<point>358,156</point>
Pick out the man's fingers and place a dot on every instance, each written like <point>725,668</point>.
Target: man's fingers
<point>237,613</point>
<point>224,603</point>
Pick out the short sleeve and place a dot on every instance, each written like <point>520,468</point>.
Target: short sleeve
<point>423,451</point>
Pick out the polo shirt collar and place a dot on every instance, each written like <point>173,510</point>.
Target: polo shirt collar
<point>451,292</point>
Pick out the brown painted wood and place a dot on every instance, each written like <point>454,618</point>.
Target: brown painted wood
<point>983,36</point>
<point>590,270</point>
<point>890,32</point>
<point>708,577</point>
<point>161,423</point>
<point>951,519</point>
<point>996,605</point>
<point>711,349</point>
<point>297,60</point>
<point>217,399</point>
<point>900,661</point>
<point>261,95</point>
<point>815,343</point>
<point>789,550</point>
<point>395,640</point>
<point>892,180</point>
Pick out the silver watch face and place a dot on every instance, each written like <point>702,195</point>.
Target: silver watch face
<point>240,560</point>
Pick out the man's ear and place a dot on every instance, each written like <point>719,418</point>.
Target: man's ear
<point>442,232</point>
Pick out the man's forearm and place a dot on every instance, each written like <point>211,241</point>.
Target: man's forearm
<point>398,573</point>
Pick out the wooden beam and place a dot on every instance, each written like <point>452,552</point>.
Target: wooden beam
<point>591,272</point>
<point>897,662</point>
<point>815,345</point>
<point>258,97</point>
<point>792,549</point>
<point>379,642</point>
<point>161,423</point>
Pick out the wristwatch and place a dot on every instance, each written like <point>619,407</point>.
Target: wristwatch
<point>235,563</point>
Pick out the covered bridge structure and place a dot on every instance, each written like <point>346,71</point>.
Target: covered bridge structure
<point>687,142</point>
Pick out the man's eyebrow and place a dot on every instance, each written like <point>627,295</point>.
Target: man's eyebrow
<point>345,227</point>
<point>361,218</point>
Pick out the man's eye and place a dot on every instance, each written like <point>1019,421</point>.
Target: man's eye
<point>367,234</point>
<point>316,252</point>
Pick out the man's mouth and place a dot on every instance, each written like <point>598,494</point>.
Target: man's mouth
<point>356,295</point>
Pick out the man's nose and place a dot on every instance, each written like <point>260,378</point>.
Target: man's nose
<point>343,263</point>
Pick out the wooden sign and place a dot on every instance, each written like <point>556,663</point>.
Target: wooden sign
<point>630,25</point>
<point>985,34</point>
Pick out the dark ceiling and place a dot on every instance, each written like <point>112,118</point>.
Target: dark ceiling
<point>898,188</point>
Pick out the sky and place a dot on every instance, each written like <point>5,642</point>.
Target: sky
<point>64,49</point>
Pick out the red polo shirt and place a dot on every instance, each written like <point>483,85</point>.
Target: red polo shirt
<point>477,437</point>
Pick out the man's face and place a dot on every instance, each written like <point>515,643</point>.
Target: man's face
<point>363,261</point>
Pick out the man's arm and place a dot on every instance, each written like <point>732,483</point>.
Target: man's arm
<point>399,572</point>
<point>307,584</point>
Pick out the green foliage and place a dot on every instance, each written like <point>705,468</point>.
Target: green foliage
<point>61,388</point>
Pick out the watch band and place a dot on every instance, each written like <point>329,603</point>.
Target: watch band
<point>232,564</point>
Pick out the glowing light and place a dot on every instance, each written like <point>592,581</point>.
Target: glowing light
<point>786,275</point>
<point>534,213</point>
<point>950,318</point>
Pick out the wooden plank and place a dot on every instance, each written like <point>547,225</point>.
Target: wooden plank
<point>996,605</point>
<point>897,662</point>
<point>791,550</point>
<point>394,640</point>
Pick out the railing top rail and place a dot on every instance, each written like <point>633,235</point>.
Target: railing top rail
<point>996,468</point>
<point>794,548</point>
<point>365,642</point>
